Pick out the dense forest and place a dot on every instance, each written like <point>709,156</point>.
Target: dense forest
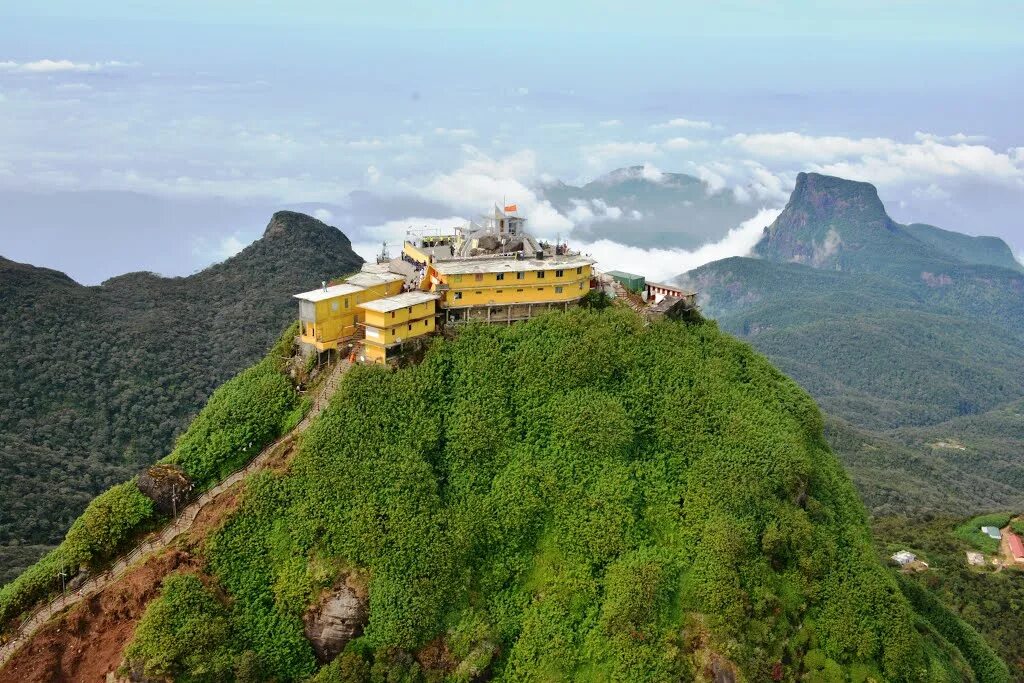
<point>96,382</point>
<point>909,337</point>
<point>661,507</point>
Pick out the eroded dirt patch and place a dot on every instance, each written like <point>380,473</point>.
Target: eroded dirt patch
<point>87,642</point>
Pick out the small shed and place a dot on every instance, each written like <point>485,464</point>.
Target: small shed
<point>992,532</point>
<point>904,557</point>
<point>1016,546</point>
<point>975,559</point>
<point>631,281</point>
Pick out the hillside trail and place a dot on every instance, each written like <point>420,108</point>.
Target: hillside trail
<point>181,525</point>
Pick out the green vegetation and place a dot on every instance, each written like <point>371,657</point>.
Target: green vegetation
<point>241,417</point>
<point>627,513</point>
<point>183,635</point>
<point>97,382</point>
<point>970,531</point>
<point>992,602</point>
<point>908,337</point>
<point>111,520</point>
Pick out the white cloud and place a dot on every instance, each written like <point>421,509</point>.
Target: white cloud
<point>74,87</point>
<point>887,161</point>
<point>712,179</point>
<point>685,123</point>
<point>681,143</point>
<point>932,192</point>
<point>585,211</point>
<point>366,239</point>
<point>57,65</point>
<point>373,175</point>
<point>610,123</point>
<point>605,153</point>
<point>663,264</point>
<point>324,215</point>
<point>956,137</point>
<point>483,181</point>
<point>652,173</point>
<point>458,133</point>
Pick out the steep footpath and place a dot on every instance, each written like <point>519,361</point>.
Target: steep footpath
<point>153,546</point>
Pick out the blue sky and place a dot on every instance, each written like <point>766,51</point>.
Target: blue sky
<point>208,115</point>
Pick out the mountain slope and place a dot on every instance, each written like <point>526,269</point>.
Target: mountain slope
<point>96,381</point>
<point>662,507</point>
<point>888,326</point>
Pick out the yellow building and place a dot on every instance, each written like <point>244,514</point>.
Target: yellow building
<point>331,315</point>
<point>392,321</point>
<point>507,288</point>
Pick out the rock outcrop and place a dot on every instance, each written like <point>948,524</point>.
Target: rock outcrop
<point>336,619</point>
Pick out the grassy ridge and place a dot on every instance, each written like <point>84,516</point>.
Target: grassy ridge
<point>575,497</point>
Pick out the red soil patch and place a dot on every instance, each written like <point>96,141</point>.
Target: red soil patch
<point>88,642</point>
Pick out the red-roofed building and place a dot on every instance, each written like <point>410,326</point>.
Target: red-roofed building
<point>1016,546</point>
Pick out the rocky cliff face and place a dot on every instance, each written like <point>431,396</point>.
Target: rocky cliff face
<point>338,618</point>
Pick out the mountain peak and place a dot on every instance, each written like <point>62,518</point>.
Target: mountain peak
<point>826,220</point>
<point>284,222</point>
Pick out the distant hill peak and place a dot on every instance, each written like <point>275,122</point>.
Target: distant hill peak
<point>839,224</point>
<point>284,222</point>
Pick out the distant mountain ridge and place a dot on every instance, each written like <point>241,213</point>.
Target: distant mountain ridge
<point>891,328</point>
<point>96,381</point>
<point>840,224</point>
<point>658,210</point>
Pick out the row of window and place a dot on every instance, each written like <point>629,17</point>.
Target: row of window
<point>558,290</point>
<point>521,275</point>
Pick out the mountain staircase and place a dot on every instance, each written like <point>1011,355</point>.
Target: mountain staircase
<point>183,523</point>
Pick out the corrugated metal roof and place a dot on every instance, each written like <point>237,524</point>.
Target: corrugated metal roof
<point>623,274</point>
<point>328,293</point>
<point>393,303</point>
<point>510,265</point>
<point>1016,546</point>
<point>991,532</point>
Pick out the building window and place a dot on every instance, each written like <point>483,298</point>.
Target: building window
<point>425,323</point>
<point>458,278</point>
<point>581,285</point>
<point>334,305</point>
<point>558,290</point>
<point>479,277</point>
<point>478,292</point>
<point>410,309</point>
<point>520,276</point>
<point>458,295</point>
<point>499,276</point>
<point>519,290</point>
<point>410,327</point>
<point>540,289</point>
<point>540,274</point>
<point>579,271</point>
<point>346,302</point>
<point>559,273</point>
<point>392,314</point>
<point>498,291</point>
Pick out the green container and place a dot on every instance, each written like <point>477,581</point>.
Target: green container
<point>631,281</point>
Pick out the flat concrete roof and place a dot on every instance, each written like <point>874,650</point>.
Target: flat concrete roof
<point>393,303</point>
<point>509,264</point>
<point>329,292</point>
<point>367,279</point>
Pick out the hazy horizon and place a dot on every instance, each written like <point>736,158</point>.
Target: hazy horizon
<point>161,138</point>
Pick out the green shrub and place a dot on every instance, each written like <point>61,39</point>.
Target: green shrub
<point>111,520</point>
<point>184,634</point>
<point>241,417</point>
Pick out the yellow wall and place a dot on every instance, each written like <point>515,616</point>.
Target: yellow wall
<point>339,317</point>
<point>390,318</point>
<point>392,334</point>
<point>479,290</point>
